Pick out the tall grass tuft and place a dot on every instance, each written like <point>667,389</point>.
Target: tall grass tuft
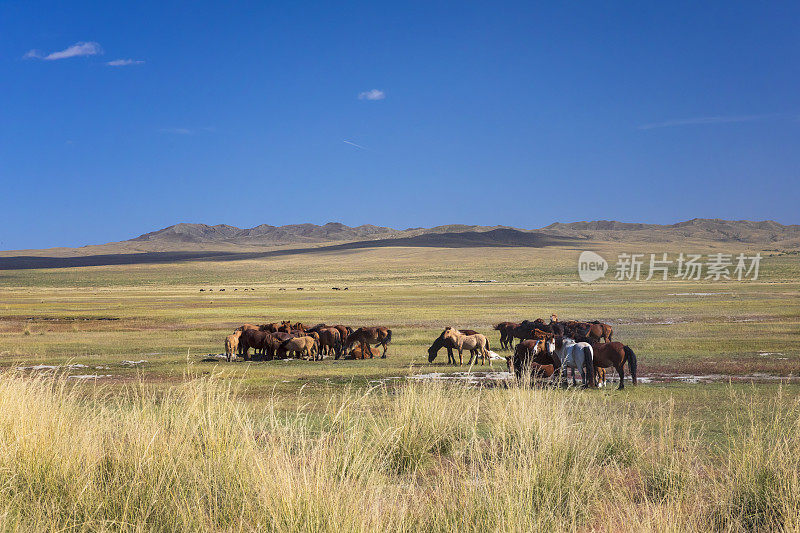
<point>419,457</point>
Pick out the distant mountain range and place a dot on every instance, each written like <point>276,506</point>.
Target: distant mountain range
<point>293,234</point>
<point>742,231</point>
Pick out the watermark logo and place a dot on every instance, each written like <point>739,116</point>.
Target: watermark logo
<point>591,266</point>
<point>695,267</point>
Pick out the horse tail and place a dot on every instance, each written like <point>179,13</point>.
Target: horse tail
<point>487,343</point>
<point>388,338</point>
<point>631,357</point>
<point>588,357</point>
<point>610,333</point>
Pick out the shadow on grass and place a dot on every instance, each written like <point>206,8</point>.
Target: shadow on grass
<point>469,239</point>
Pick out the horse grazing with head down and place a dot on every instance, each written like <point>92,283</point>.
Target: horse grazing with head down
<point>442,342</point>
<point>379,336</point>
<point>470,342</point>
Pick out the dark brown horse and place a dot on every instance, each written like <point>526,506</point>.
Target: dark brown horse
<point>261,342</point>
<point>506,341</point>
<point>616,354</point>
<point>524,330</point>
<point>442,342</point>
<point>378,335</point>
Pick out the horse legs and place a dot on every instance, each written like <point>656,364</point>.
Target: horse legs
<point>460,357</point>
<point>584,376</point>
<point>621,372</point>
<point>385,347</point>
<point>450,358</point>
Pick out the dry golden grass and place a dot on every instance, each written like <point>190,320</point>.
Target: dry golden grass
<point>422,457</point>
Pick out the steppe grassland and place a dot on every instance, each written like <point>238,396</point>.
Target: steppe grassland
<point>183,443</point>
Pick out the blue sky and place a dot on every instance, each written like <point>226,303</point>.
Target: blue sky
<point>118,119</point>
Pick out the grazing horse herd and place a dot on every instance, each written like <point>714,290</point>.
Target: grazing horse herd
<point>286,339</point>
<point>544,348</point>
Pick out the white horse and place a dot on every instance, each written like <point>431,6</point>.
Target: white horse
<point>575,355</point>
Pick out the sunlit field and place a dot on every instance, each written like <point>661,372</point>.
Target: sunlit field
<point>118,414</point>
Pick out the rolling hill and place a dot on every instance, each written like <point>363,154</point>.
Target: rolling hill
<point>189,242</point>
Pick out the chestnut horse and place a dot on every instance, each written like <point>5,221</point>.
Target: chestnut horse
<point>330,341</point>
<point>448,343</point>
<point>531,360</point>
<point>598,330</point>
<point>616,354</point>
<point>380,336</point>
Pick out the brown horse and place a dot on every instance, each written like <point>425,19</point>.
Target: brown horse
<point>253,338</point>
<point>379,335</point>
<point>344,331</point>
<point>356,353</point>
<point>330,341</point>
<point>448,343</point>
<point>532,360</point>
<point>616,354</point>
<point>598,330</point>
<point>271,328</point>
<point>506,339</point>
<point>473,343</point>
<point>286,326</point>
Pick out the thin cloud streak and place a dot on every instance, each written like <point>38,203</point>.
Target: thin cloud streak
<point>356,145</point>
<point>79,49</point>
<point>124,62</point>
<point>706,120</point>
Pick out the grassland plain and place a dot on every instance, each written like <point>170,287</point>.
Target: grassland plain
<point>99,319</point>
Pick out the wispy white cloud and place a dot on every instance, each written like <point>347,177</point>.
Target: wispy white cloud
<point>124,62</point>
<point>356,145</point>
<point>177,131</point>
<point>76,50</point>
<point>374,94</point>
<point>705,120</point>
